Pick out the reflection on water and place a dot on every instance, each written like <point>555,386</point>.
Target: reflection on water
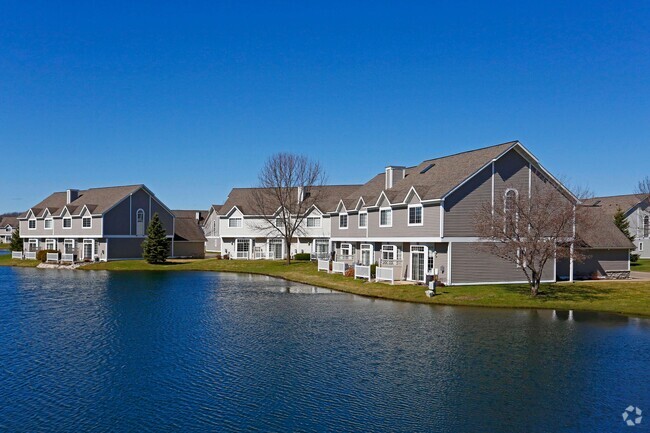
<point>82,351</point>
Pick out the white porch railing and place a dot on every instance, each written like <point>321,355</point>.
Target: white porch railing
<point>390,262</point>
<point>339,267</point>
<point>361,272</point>
<point>260,255</point>
<point>344,257</point>
<point>17,255</point>
<point>324,265</point>
<point>242,254</point>
<point>320,256</point>
<point>30,255</point>
<point>384,274</point>
<point>52,257</point>
<point>67,258</point>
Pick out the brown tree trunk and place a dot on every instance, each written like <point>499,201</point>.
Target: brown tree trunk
<point>288,245</point>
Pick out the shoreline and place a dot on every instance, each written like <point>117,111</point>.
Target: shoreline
<point>630,298</point>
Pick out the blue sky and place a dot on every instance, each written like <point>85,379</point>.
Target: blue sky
<point>191,97</point>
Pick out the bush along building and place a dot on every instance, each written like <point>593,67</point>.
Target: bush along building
<point>97,224</point>
<point>420,220</point>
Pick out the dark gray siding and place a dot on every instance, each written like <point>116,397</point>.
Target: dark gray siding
<point>193,250</point>
<point>601,261</point>
<point>124,248</point>
<point>117,220</point>
<point>400,227</point>
<point>462,205</point>
<point>471,264</point>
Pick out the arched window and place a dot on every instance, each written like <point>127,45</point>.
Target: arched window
<point>646,226</point>
<point>139,222</point>
<point>510,214</point>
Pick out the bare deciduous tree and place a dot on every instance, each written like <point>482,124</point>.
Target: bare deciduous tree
<point>531,231</point>
<point>643,187</point>
<point>289,186</point>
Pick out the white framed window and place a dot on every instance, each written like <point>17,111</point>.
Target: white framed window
<point>279,222</point>
<point>363,220</point>
<point>314,222</point>
<point>139,222</point>
<point>32,245</point>
<point>31,224</point>
<point>50,244</point>
<point>389,252</point>
<point>343,221</point>
<point>646,226</point>
<point>415,215</point>
<point>510,213</point>
<point>235,222</point>
<point>68,246</point>
<point>87,222</point>
<point>385,217</point>
<point>88,249</point>
<point>640,246</point>
<point>346,249</point>
<point>67,223</point>
<point>48,223</point>
<point>214,228</point>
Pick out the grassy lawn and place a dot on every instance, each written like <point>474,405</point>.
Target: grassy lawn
<point>615,296</point>
<point>4,246</point>
<point>6,260</point>
<point>643,265</point>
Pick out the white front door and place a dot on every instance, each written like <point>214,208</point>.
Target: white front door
<point>366,254</point>
<point>275,249</point>
<point>139,222</point>
<point>418,262</point>
<point>88,250</point>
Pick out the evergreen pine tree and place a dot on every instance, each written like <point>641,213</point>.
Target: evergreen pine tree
<point>622,223</point>
<point>155,249</point>
<point>16,243</point>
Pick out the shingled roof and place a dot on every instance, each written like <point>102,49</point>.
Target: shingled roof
<point>97,200</point>
<point>432,178</point>
<point>602,232</point>
<point>329,197</point>
<point>8,221</point>
<point>610,204</point>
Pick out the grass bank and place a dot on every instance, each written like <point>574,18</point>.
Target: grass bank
<point>642,265</point>
<point>6,260</point>
<point>4,246</point>
<point>625,297</point>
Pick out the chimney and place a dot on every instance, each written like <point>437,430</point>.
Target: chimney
<point>71,195</point>
<point>301,194</point>
<point>198,216</point>
<point>393,174</point>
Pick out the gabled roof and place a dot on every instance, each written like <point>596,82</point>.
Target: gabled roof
<point>8,221</point>
<point>187,228</point>
<point>432,178</point>
<point>97,200</point>
<point>610,204</point>
<point>602,232</point>
<point>329,197</point>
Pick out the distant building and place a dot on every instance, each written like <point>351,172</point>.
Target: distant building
<point>8,225</point>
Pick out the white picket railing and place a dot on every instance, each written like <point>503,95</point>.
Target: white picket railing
<point>52,257</point>
<point>384,274</point>
<point>67,258</point>
<point>339,267</point>
<point>30,255</point>
<point>17,255</point>
<point>324,265</point>
<point>361,272</point>
<point>348,257</point>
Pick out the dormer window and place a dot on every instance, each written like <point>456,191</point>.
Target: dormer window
<point>386,217</point>
<point>415,215</point>
<point>31,224</point>
<point>48,223</point>
<point>363,220</point>
<point>343,221</point>
<point>235,222</point>
<point>313,222</point>
<point>87,222</point>
<point>67,223</point>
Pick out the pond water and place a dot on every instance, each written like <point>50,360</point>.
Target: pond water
<point>99,351</point>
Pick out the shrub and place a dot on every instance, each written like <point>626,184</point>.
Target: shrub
<point>634,257</point>
<point>218,257</point>
<point>226,256</point>
<point>42,254</point>
<point>349,272</point>
<point>373,270</point>
<point>302,256</point>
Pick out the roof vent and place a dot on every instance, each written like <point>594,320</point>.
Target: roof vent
<point>427,168</point>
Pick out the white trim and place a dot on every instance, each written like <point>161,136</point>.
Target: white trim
<point>382,209</point>
<point>421,249</point>
<point>412,189</point>
<point>530,178</point>
<point>408,216</point>
<point>492,177</point>
<point>442,218</point>
<point>487,283</point>
<point>449,264</point>
<point>379,200</point>
<point>63,220</point>
<point>51,220</point>
<point>29,221</point>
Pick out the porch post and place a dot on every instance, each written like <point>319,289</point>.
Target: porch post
<point>571,263</point>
